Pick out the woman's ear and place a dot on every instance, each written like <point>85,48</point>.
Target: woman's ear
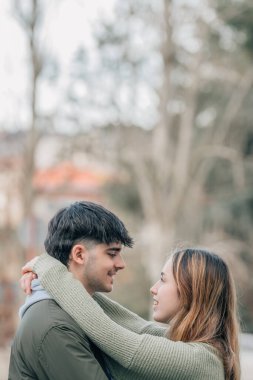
<point>78,254</point>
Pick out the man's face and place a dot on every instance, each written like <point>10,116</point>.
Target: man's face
<point>102,264</point>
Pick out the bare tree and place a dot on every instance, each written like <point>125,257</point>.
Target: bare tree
<point>174,162</point>
<point>29,16</point>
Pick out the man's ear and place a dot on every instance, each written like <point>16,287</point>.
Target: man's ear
<point>78,254</point>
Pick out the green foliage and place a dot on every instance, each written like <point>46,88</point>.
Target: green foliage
<point>239,15</point>
<point>125,196</point>
<point>242,22</point>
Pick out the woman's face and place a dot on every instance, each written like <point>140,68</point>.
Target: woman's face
<point>166,302</point>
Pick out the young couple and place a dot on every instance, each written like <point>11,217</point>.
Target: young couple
<point>69,330</point>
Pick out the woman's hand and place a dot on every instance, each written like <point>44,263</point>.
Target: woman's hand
<point>28,276</point>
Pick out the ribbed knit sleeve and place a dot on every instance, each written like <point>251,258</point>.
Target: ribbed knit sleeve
<point>143,356</point>
<point>127,318</point>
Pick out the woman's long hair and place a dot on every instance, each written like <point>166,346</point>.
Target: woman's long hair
<point>208,299</point>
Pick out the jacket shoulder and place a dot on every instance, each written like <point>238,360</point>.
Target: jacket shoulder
<point>41,317</point>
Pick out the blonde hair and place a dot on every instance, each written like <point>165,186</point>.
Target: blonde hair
<point>208,311</point>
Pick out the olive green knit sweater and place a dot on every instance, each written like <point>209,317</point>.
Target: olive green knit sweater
<point>134,352</point>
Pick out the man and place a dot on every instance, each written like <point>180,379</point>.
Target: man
<point>49,345</point>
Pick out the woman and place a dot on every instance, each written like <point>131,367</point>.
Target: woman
<point>195,294</point>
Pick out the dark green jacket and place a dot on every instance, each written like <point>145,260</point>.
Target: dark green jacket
<point>49,345</point>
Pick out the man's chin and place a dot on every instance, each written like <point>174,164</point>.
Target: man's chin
<point>107,289</point>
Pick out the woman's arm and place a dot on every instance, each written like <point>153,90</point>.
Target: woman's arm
<point>71,295</point>
<point>146,356</point>
<point>127,318</point>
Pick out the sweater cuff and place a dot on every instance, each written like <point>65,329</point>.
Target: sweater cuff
<point>44,263</point>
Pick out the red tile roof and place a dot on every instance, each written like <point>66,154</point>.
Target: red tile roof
<point>66,177</point>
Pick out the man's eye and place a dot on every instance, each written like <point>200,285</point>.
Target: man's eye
<point>111,254</point>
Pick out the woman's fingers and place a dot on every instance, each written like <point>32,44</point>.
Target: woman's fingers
<point>26,280</point>
<point>28,276</point>
<point>28,267</point>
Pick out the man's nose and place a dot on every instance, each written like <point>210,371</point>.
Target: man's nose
<point>120,263</point>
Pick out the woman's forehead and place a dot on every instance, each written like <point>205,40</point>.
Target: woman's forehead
<point>167,268</point>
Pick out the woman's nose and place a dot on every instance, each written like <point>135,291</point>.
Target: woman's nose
<point>153,289</point>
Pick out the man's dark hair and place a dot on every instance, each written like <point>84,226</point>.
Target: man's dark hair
<point>83,221</point>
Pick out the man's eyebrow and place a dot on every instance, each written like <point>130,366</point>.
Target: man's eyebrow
<point>116,249</point>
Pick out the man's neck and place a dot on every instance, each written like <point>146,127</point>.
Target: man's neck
<point>78,276</point>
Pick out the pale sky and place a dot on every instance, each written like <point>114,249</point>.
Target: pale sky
<point>68,24</point>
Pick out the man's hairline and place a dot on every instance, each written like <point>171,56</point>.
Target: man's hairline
<point>89,244</point>
<point>92,242</point>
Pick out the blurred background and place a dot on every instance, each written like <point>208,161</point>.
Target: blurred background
<point>143,106</point>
